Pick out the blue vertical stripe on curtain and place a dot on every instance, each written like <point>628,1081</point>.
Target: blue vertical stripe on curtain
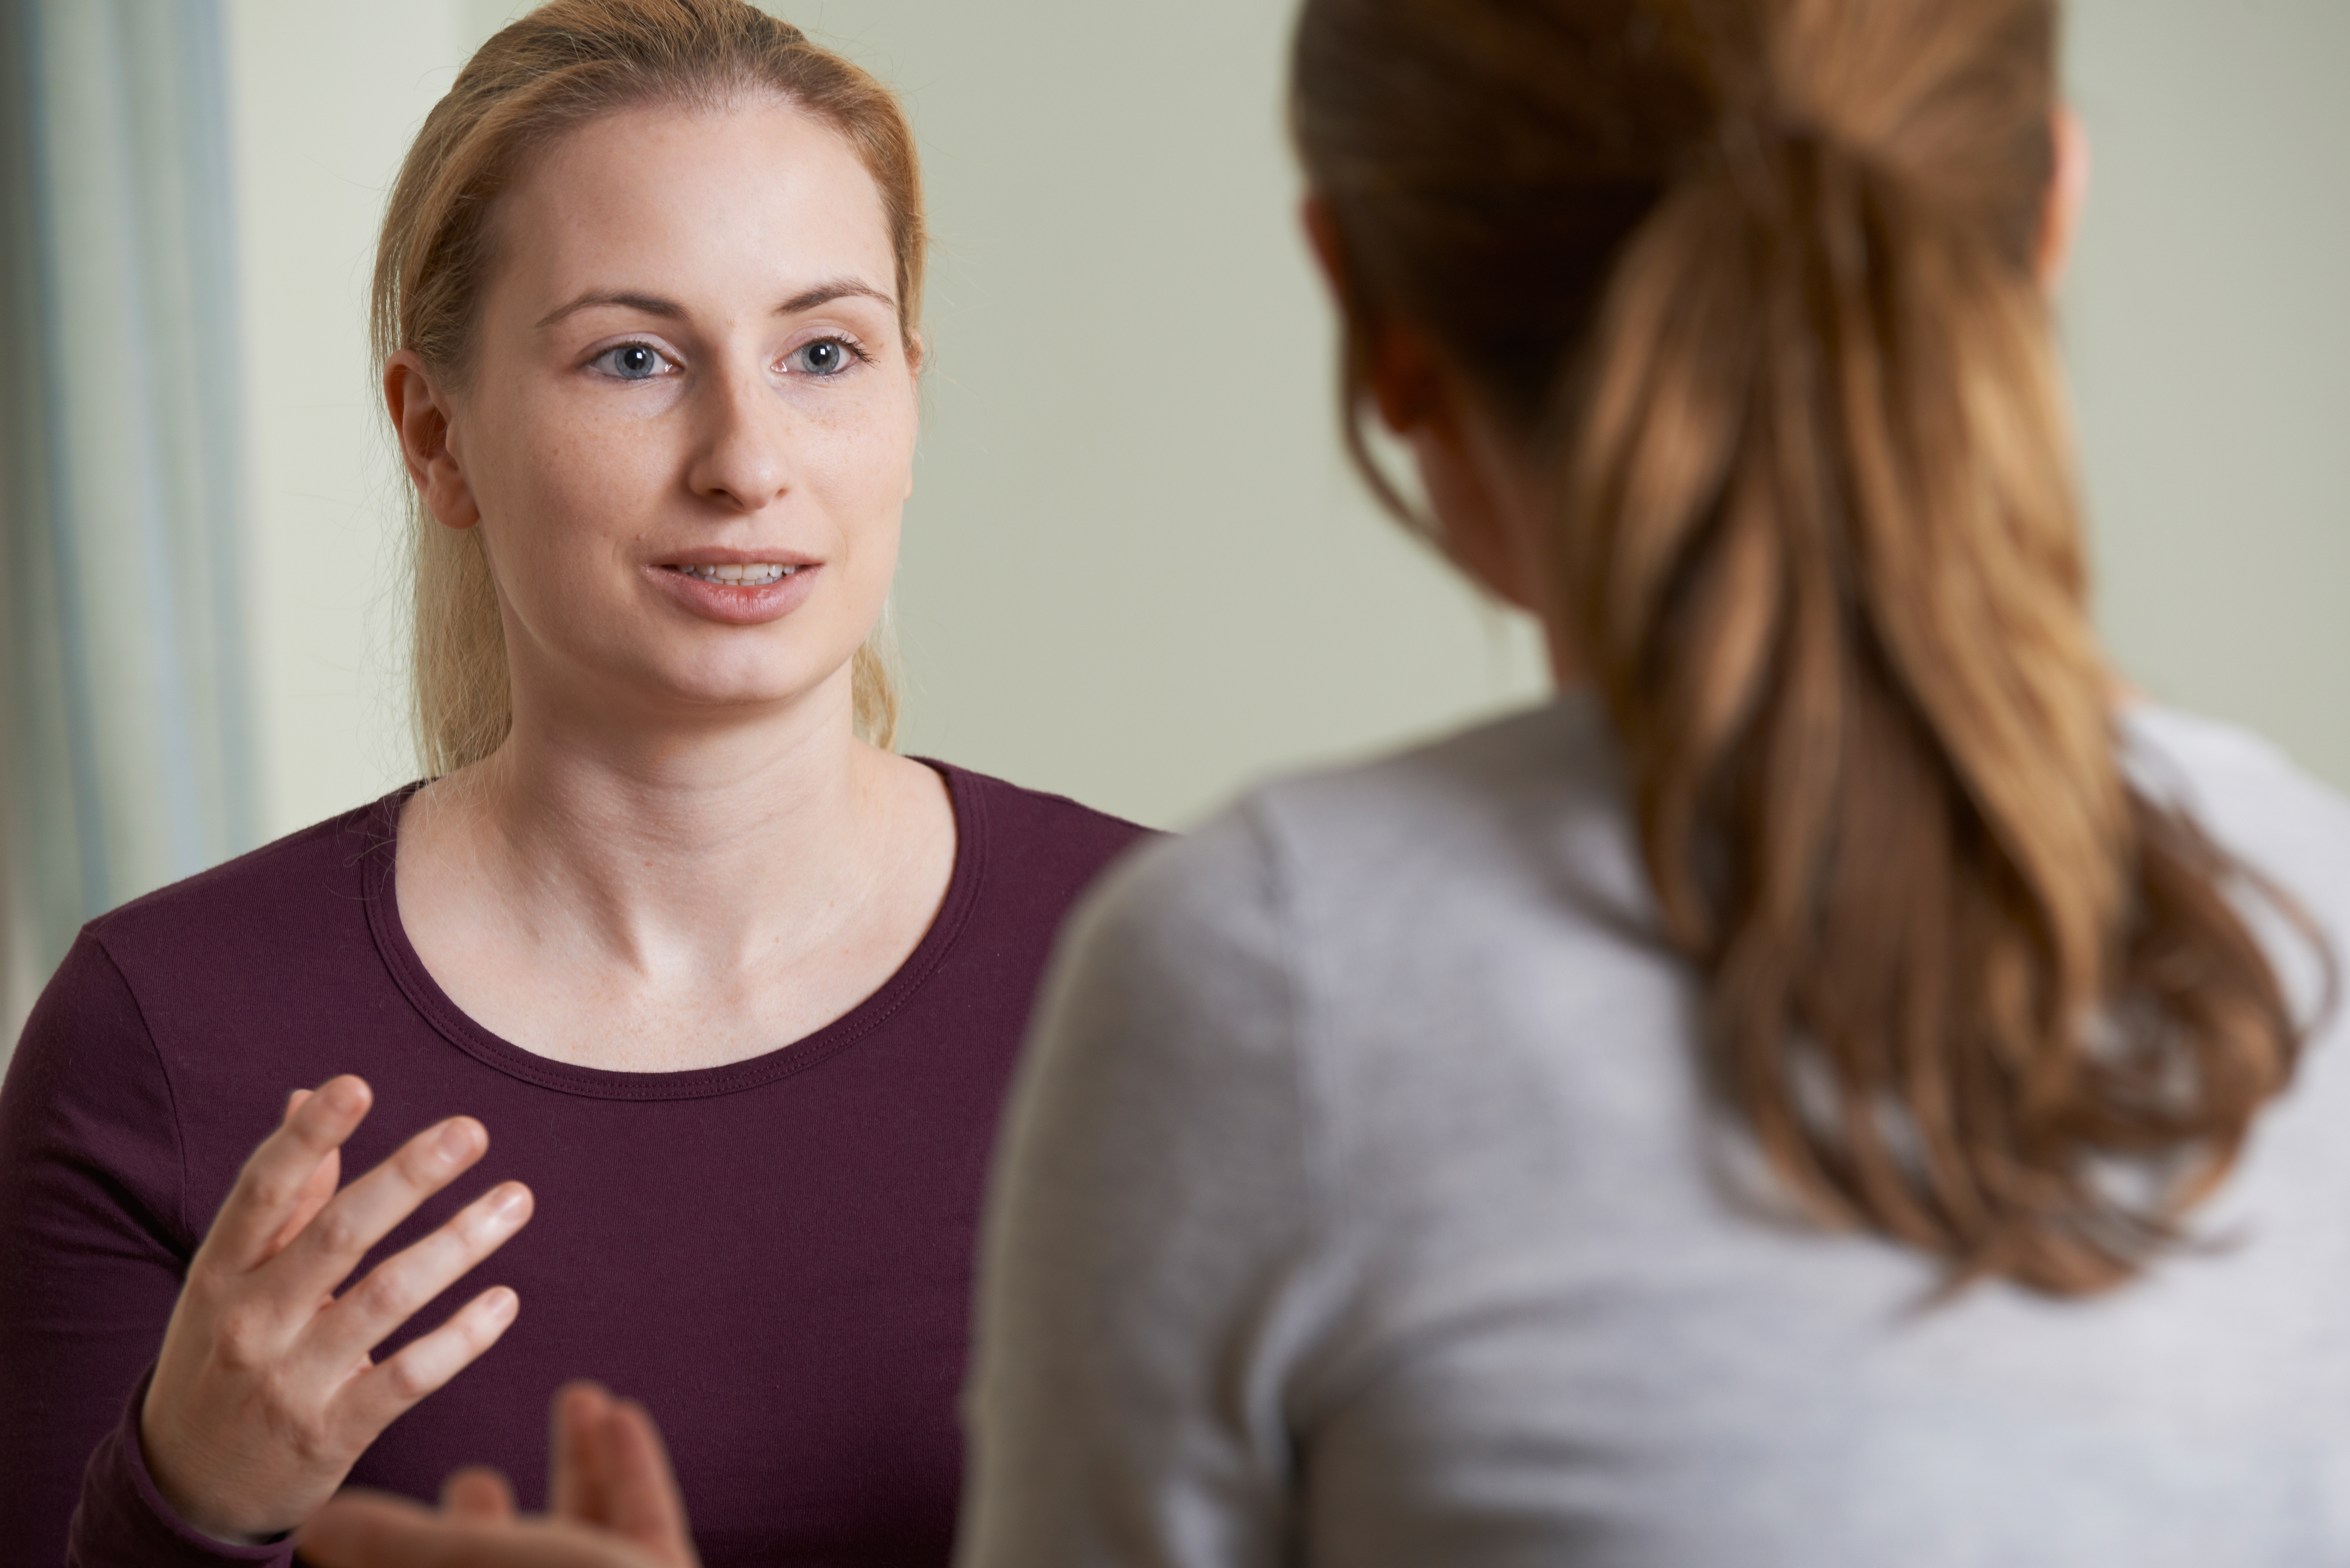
<point>130,751</point>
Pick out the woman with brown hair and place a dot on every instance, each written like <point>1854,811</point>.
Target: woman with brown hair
<point>736,987</point>
<point>1834,1088</point>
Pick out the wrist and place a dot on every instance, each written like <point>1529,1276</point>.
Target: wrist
<point>162,1452</point>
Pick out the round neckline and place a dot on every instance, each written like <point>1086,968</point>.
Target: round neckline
<point>451,1021</point>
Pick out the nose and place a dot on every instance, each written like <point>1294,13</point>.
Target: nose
<point>742,460</point>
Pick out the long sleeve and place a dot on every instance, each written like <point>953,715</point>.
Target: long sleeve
<point>94,1242</point>
<point>1150,1291</point>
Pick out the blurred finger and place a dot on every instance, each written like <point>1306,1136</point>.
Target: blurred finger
<point>640,1491</point>
<point>282,1172</point>
<point>379,1395</point>
<point>364,1212</point>
<point>395,1289</point>
<point>477,1493</point>
<point>359,1530</point>
<point>574,1472</point>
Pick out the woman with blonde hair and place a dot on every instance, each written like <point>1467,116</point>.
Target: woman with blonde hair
<point>736,987</point>
<point>1837,1087</point>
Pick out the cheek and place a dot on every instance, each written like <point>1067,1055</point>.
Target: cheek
<point>561,505</point>
<point>858,469</point>
<point>570,479</point>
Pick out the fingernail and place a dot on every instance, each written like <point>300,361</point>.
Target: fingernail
<point>502,1302</point>
<point>509,1201</point>
<point>344,1095</point>
<point>455,1142</point>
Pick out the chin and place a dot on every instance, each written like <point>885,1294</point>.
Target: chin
<point>748,685</point>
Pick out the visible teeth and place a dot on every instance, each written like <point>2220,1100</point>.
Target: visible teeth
<point>741,577</point>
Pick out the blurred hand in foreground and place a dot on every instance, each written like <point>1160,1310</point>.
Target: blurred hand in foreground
<point>611,1503</point>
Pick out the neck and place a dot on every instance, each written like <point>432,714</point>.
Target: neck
<point>703,840</point>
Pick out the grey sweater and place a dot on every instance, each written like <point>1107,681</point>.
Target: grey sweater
<point>1358,1206</point>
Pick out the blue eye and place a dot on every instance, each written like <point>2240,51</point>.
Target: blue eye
<point>633,362</point>
<point>825,356</point>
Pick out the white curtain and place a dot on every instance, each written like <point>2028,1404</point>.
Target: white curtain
<point>127,727</point>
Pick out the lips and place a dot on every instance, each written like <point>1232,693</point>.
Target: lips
<point>738,592</point>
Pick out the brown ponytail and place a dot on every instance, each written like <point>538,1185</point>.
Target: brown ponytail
<point>1760,274</point>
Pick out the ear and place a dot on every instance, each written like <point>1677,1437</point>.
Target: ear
<point>2068,192</point>
<point>1322,235</point>
<point>1401,371</point>
<point>1481,523</point>
<point>422,416</point>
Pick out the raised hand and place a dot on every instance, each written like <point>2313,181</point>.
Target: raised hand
<point>265,1393</point>
<point>613,1504</point>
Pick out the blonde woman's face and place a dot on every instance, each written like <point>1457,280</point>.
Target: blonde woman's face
<point>688,432</point>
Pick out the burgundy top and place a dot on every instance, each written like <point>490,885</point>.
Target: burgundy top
<point>775,1256</point>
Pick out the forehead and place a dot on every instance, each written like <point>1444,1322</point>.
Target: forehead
<point>755,195</point>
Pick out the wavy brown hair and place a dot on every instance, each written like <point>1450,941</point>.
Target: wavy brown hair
<point>555,69</point>
<point>1758,281</point>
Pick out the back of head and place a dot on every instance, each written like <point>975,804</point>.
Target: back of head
<point>1757,282</point>
<point>554,69</point>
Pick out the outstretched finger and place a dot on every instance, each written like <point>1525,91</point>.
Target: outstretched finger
<point>395,1289</point>
<point>284,1172</point>
<point>380,1395</point>
<point>365,1212</point>
<point>315,1193</point>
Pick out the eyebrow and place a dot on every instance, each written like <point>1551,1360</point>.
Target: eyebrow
<point>825,293</point>
<point>654,304</point>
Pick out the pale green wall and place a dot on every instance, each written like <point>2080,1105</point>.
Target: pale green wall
<point>324,96</point>
<point>1135,569</point>
<point>2207,331</point>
